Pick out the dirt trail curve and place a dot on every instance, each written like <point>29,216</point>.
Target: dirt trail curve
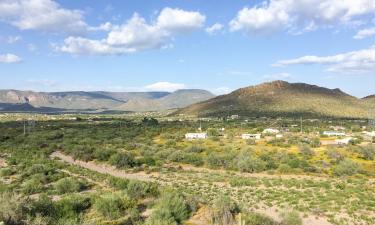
<point>104,169</point>
<point>111,170</point>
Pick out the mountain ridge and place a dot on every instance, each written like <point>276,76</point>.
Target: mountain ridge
<point>281,98</point>
<point>101,100</point>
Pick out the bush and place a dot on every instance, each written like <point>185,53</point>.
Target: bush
<point>72,206</point>
<point>291,218</point>
<point>32,186</point>
<point>113,205</point>
<point>138,189</point>
<point>306,151</point>
<point>368,152</point>
<point>170,209</point>
<point>258,219</point>
<point>12,208</point>
<point>346,168</point>
<point>250,165</point>
<point>68,185</point>
<point>284,168</point>
<point>223,211</point>
<point>123,160</point>
<point>103,155</point>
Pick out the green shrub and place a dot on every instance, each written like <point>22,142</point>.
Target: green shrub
<point>224,211</point>
<point>123,160</point>
<point>113,205</point>
<point>346,168</point>
<point>291,218</point>
<point>257,219</point>
<point>69,185</point>
<point>72,206</point>
<point>32,186</point>
<point>138,189</point>
<point>170,209</point>
<point>306,151</point>
<point>284,168</point>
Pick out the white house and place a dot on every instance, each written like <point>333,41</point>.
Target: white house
<point>251,136</point>
<point>191,136</point>
<point>334,133</point>
<point>279,136</point>
<point>344,141</point>
<point>271,131</point>
<point>370,134</point>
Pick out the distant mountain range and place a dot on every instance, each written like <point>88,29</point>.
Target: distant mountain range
<point>277,98</point>
<point>30,101</point>
<point>280,98</point>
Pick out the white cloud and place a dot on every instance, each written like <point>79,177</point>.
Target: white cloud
<point>365,33</point>
<point>137,35</point>
<point>13,39</point>
<point>178,20</point>
<point>361,61</point>
<point>9,58</point>
<point>42,15</point>
<point>165,86</point>
<point>277,76</point>
<point>298,16</point>
<point>214,29</point>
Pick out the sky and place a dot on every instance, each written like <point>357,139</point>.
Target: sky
<point>160,45</point>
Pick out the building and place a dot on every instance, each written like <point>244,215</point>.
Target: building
<point>271,131</point>
<point>370,134</point>
<point>191,136</point>
<point>333,133</point>
<point>251,136</point>
<point>279,136</point>
<point>344,141</point>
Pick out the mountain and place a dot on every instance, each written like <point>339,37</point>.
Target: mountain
<point>87,101</point>
<point>280,98</point>
<point>177,99</point>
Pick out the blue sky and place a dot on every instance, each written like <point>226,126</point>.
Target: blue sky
<point>144,45</point>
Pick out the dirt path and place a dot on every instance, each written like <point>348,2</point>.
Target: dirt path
<point>104,169</point>
<point>272,212</point>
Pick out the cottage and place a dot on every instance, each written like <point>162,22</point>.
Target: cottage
<point>271,131</point>
<point>333,133</point>
<point>191,136</point>
<point>251,136</point>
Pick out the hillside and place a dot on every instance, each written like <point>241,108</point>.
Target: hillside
<point>99,100</point>
<point>280,98</point>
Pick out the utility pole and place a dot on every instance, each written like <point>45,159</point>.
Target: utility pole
<point>24,128</point>
<point>301,125</point>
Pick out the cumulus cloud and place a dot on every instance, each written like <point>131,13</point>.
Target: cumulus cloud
<point>298,16</point>
<point>361,61</point>
<point>137,34</point>
<point>365,33</point>
<point>42,15</point>
<point>165,86</point>
<point>10,58</point>
<point>214,29</point>
<point>178,20</point>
